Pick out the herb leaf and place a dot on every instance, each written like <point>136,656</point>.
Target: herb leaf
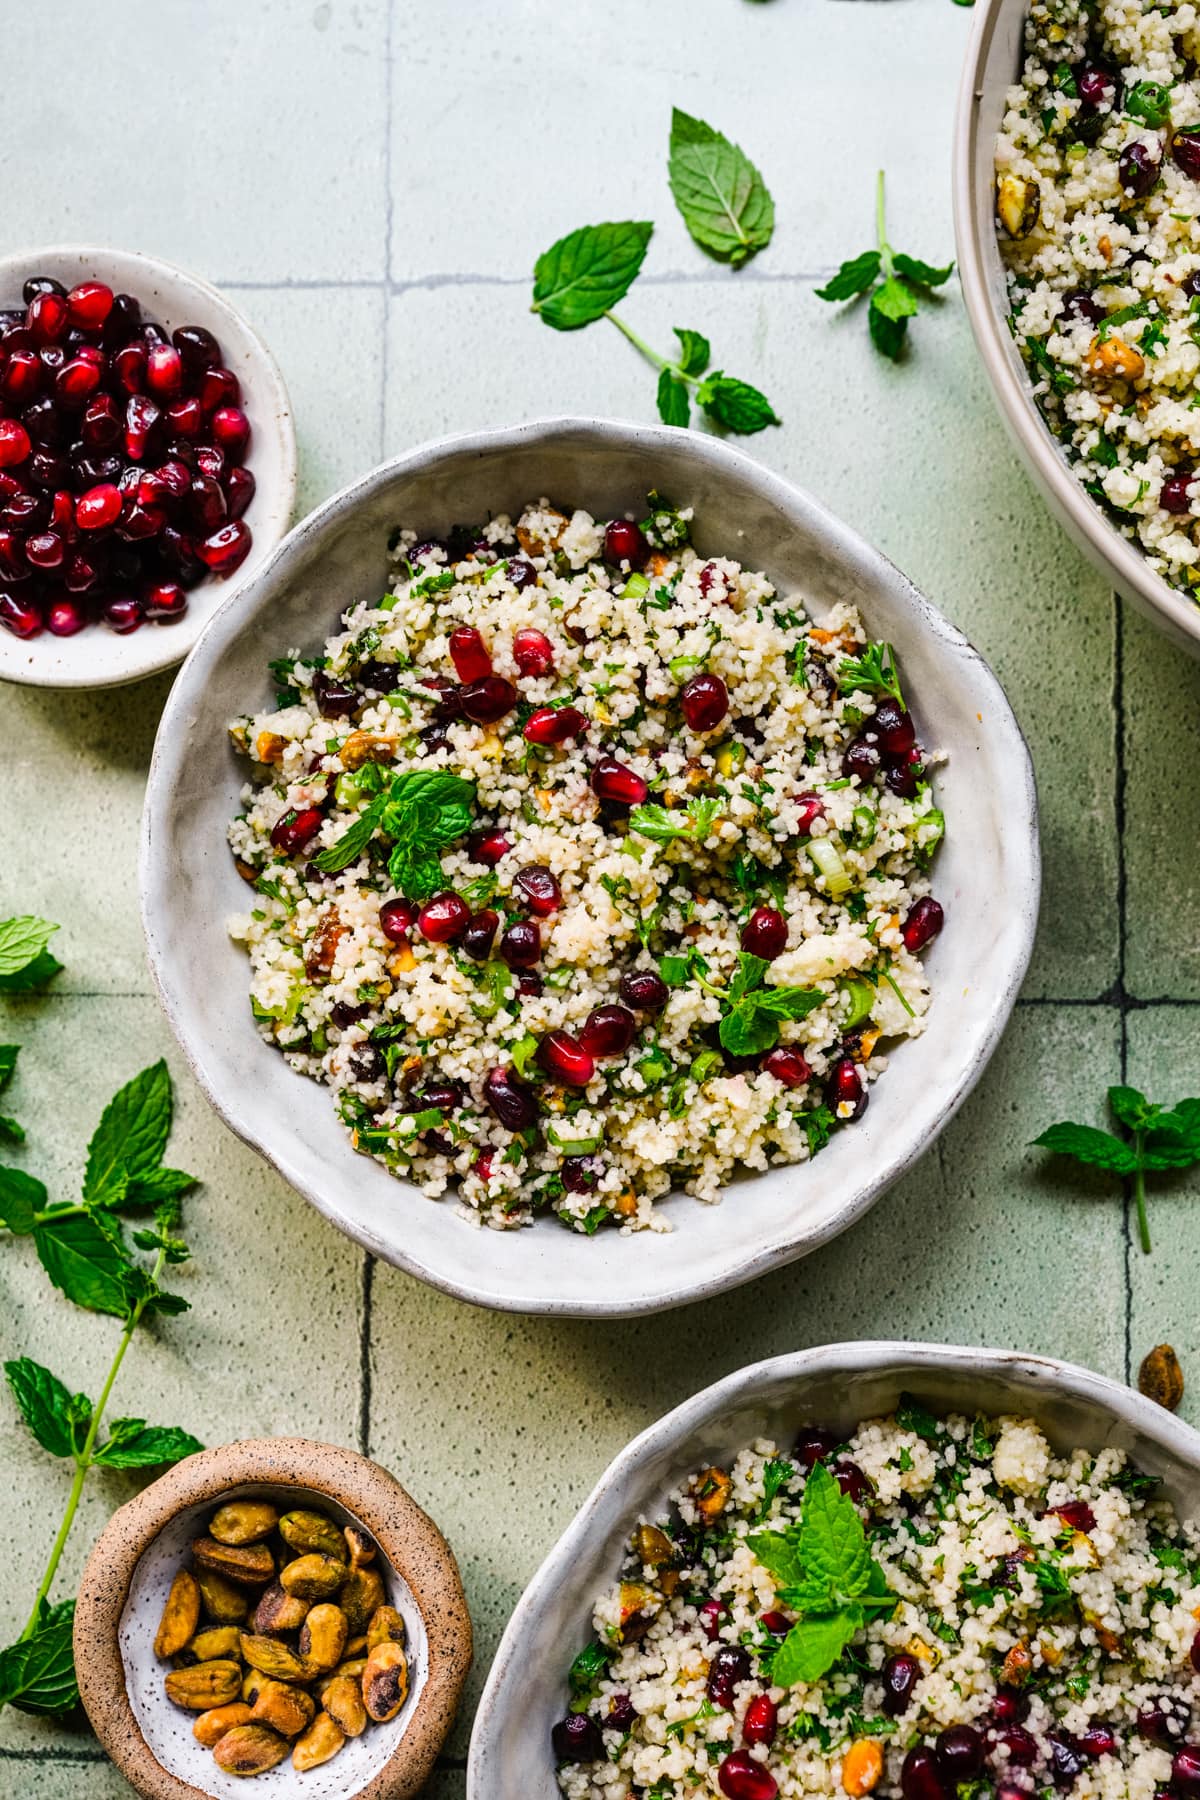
<point>664,825</point>
<point>132,1444</point>
<point>129,1141</point>
<point>813,1645</point>
<point>695,352</point>
<point>923,273</point>
<point>751,1012</point>
<point>904,281</point>
<point>874,672</point>
<point>854,277</point>
<point>720,194</point>
<point>22,942</point>
<point>674,405</point>
<point>57,1419</point>
<point>22,1197</point>
<point>84,1262</point>
<point>1086,1144</point>
<point>580,277</point>
<point>37,1674</point>
<point>735,404</point>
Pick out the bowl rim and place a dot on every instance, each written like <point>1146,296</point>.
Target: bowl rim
<point>413,1546</point>
<point>156,888</point>
<point>172,643</point>
<point>843,1361</point>
<point>1125,565</point>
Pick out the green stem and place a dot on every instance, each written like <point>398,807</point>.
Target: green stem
<point>885,249</point>
<point>83,1458</point>
<point>652,356</point>
<point>57,1212</point>
<point>1139,1194</point>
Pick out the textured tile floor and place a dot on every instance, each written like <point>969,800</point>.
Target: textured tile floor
<point>373,189</point>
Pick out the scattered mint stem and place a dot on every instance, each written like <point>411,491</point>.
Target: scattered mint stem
<point>897,284</point>
<point>1159,1139</point>
<point>640,344</point>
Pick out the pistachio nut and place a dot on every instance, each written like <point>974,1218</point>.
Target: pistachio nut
<point>361,1594</point>
<point>243,1521</point>
<point>343,1701</point>
<point>323,1638</point>
<point>386,1627</point>
<point>640,1606</point>
<point>205,1685</point>
<point>359,1545</point>
<point>652,1546</point>
<point>223,1603</point>
<point>312,1577</point>
<point>711,1491</point>
<point>310,1533</point>
<point>1018,204</point>
<point>211,1726</point>
<point>217,1641</point>
<point>249,1750</point>
<point>356,1646</point>
<point>1161,1378</point>
<point>287,1710</point>
<point>323,1739</point>
<point>180,1616</point>
<point>252,1565</point>
<point>270,1657</point>
<point>278,1613</point>
<point>353,1666</point>
<point>385,1682</point>
<point>252,1685</point>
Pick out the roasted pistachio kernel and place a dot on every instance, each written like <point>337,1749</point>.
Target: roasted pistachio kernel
<point>243,1522</point>
<point>270,1657</point>
<point>278,1613</point>
<point>311,1533</point>
<point>353,1666</point>
<point>313,1577</point>
<point>211,1726</point>
<point>204,1685</point>
<point>323,1638</point>
<point>343,1701</point>
<point>223,1602</point>
<point>251,1565</point>
<point>1161,1378</point>
<point>252,1685</point>
<point>180,1616</point>
<point>386,1627</point>
<point>652,1546</point>
<point>359,1597</point>
<point>287,1710</point>
<point>1018,204</point>
<point>385,1682</point>
<point>711,1491</point>
<point>356,1646</point>
<point>361,1548</point>
<point>323,1739</point>
<point>217,1641</point>
<point>249,1750</point>
<point>640,1606</point>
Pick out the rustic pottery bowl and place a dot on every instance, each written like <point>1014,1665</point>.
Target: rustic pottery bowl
<point>97,657</point>
<point>987,872</point>
<point>836,1386</point>
<point>993,64</point>
<point>143,1546</point>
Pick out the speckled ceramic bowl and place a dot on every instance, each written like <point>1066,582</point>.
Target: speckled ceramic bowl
<point>97,657</point>
<point>836,1386</point>
<point>986,874</point>
<point>130,1571</point>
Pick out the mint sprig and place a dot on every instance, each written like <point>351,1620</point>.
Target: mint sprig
<point>423,812</point>
<point>826,1574</point>
<point>898,285</point>
<point>25,962</point>
<point>1159,1138</point>
<point>751,1012</point>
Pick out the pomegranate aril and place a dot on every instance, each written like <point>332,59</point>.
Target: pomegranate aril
<point>47,318</point>
<point>509,1099</point>
<point>164,600</point>
<point>469,654</point>
<point>480,934</point>
<point>489,699</point>
<point>41,284</point>
<point>98,507</point>
<point>142,417</point>
<point>239,490</point>
<point>847,1090</point>
<point>521,944</point>
<point>206,504</point>
<point>295,829</point>
<point>75,383</point>
<point>44,550</point>
<point>711,1614</point>
<point>484,1165</point>
<point>164,371</point>
<point>538,887</point>
<point>777,1623</point>
<point>613,780</point>
<point>787,1066</point>
<point>765,933</point>
<point>198,348</point>
<point>22,377</point>
<point>185,418</point>
<point>25,511</point>
<point>741,1777</point>
<point>218,387</point>
<point>729,1668</point>
<point>231,430</point>
<point>81,573</point>
<point>488,847</point>
<point>129,366</point>
<point>704,701</point>
<point>140,522</point>
<point>554,725</point>
<point>123,614</point>
<point>922,924</point>
<point>643,989</point>
<point>226,548</point>
<point>396,919</point>
<point>100,427</point>
<point>624,543</point>
<point>761,1721</point>
<point>89,305</point>
<point>175,477</point>
<point>533,652</point>
<point>13,566</point>
<point>64,617</point>
<point>899,1675</point>
<point>893,727</point>
<point>19,615</point>
<point>577,1739</point>
<point>581,1174</point>
<point>444,918</point>
<point>564,1059</point>
<point>15,443</point>
<point>608,1031</point>
<point>122,322</point>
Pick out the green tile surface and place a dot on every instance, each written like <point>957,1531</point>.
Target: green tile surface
<point>373,181</point>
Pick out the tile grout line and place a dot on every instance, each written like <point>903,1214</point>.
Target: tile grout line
<point>1120,991</point>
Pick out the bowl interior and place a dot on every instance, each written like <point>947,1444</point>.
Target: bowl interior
<point>97,657</point>
<point>168,1731</point>
<point>986,874</point>
<point>835,1387</point>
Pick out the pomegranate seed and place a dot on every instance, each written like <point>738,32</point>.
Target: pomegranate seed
<point>100,427</point>
<point>13,566</point>
<point>1098,1740</point>
<point>185,417</point>
<point>565,1060</point>
<point>22,377</point>
<point>608,1031</point>
<point>469,654</point>
<point>729,1668</point>
<point>219,387</point>
<point>612,780</point>
<point>512,1103</point>
<point>740,1777</point>
<point>44,550</point>
<point>861,758</point>
<point>1010,1706</point>
<point>853,1483</point>
<point>846,1090</point>
<point>164,371</point>
<point>335,699</point>
<point>239,490</point>
<point>711,1615</point>
<point>893,727</point>
<point>123,615</point>
<point>900,1675</point>
<point>81,574</point>
<point>295,829</point>
<point>396,920</point>
<point>1175,495</point>
<point>577,1739</point>
<point>206,504</point>
<point>14,443</point>
<point>141,418</point>
<point>705,702</point>
<point>488,847</point>
<point>98,507</point>
<point>529,986</point>
<point>787,1066</point>
<point>487,700</point>
<point>554,725</point>
<point>765,933</point>
<point>65,617</point>
<point>539,889</point>
<point>624,543</point>
<point>198,348</point>
<point>19,616</point>
<point>1019,1746</point>
<point>920,1777</point>
<point>139,522</point>
<point>47,317</point>
<point>1185,1769</point>
<point>777,1623</point>
<point>444,918</point>
<point>922,924</point>
<point>533,652</point>
<point>76,382</point>
<point>129,364</point>
<point>581,1174</point>
<point>761,1721</point>
<point>231,430</point>
<point>1066,1761</point>
<point>521,944</point>
<point>164,600</point>
<point>643,989</point>
<point>621,1713</point>
<point>89,305</point>
<point>484,1165</point>
<point>480,934</point>
<point>1077,1515</point>
<point>959,1752</point>
<point>226,548</point>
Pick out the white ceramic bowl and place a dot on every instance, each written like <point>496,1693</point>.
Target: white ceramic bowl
<point>836,1386</point>
<point>994,56</point>
<point>97,657</point>
<point>987,873</point>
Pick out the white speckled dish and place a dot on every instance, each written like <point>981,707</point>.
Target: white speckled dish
<point>836,1386</point>
<point>97,657</point>
<point>987,874</point>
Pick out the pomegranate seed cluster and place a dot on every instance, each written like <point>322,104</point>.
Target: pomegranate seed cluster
<point>1035,1632</point>
<point>122,473</point>
<point>586,868</point>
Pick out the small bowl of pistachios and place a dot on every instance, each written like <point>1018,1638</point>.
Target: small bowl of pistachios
<point>279,1610</point>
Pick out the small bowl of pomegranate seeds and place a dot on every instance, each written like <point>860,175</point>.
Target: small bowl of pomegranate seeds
<point>147,463</point>
<point>901,1569</point>
<point>592,805</point>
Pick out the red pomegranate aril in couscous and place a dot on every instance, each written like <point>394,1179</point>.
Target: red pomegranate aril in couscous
<point>533,652</point>
<point>613,780</point>
<point>521,944</point>
<point>624,542</point>
<point>469,654</point>
<point>704,701</point>
<point>538,887</point>
<point>608,1031</point>
<point>765,933</point>
<point>564,1059</point>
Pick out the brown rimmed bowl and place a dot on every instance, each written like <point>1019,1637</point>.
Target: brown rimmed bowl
<point>144,1544</point>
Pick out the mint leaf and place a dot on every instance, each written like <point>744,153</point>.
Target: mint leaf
<point>674,404</point>
<point>833,1543</point>
<point>584,274</point>
<point>1098,1149</point>
<point>8,1062</point>
<point>132,1444</point>
<point>84,1262</point>
<point>1183,1123</point>
<point>158,1187</point>
<point>1130,1108</point>
<point>349,847</point>
<point>22,1197</point>
<point>721,195</point>
<point>923,273</point>
<point>57,1419</point>
<point>10,1131</point>
<point>818,1128</point>
<point>129,1141</point>
<point>854,277</point>
<point>811,1647</point>
<point>778,1552</point>
<point>695,353</point>
<point>750,1024</point>
<point>23,944</point>
<point>748,975</point>
<point>587,1672</point>
<point>735,404</point>
<point>37,1674</point>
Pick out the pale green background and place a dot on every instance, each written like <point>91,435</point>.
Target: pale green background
<point>373,188</point>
